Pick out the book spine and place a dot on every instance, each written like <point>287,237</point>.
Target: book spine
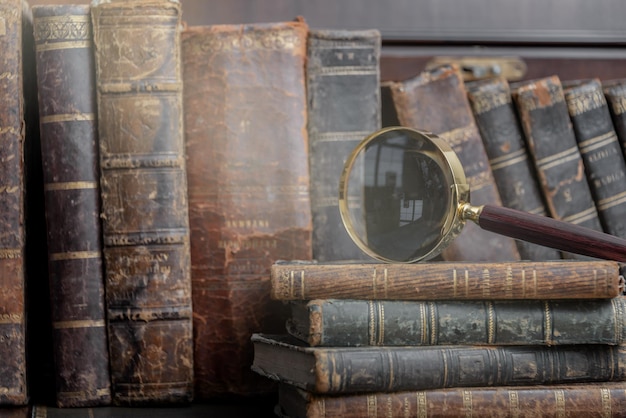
<point>601,152</point>
<point>343,97</point>
<point>615,94</point>
<point>248,188</point>
<point>552,143</point>
<point>420,368</point>
<point>13,389</point>
<point>144,201</point>
<point>67,112</point>
<point>436,101</point>
<point>573,401</point>
<point>512,167</point>
<point>448,280</point>
<point>351,323</point>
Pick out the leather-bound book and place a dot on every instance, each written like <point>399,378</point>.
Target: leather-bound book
<point>249,205</point>
<point>615,94</point>
<point>436,101</point>
<point>552,143</point>
<point>15,19</point>
<point>355,323</point>
<point>512,167</point>
<point>600,150</point>
<point>557,279</point>
<point>344,370</point>
<point>67,115</point>
<point>343,95</point>
<point>144,201</point>
<point>581,400</point>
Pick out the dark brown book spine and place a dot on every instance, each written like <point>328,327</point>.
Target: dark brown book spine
<point>12,189</point>
<point>247,151</point>
<point>144,200</point>
<point>67,111</point>
<point>595,400</point>
<point>552,143</point>
<point>512,167</point>
<point>447,280</point>
<point>436,101</point>
<point>353,323</point>
<point>344,370</point>
<point>343,96</point>
<point>600,150</point>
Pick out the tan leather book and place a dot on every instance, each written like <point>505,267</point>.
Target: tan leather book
<point>144,200</point>
<point>247,151</point>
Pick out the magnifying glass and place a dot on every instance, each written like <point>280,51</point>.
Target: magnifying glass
<point>403,197</point>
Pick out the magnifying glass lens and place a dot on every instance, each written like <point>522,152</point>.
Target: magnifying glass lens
<point>398,192</point>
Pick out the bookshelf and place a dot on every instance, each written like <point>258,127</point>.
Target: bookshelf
<point>573,39</point>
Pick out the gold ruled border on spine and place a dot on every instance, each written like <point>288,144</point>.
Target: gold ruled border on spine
<point>65,29</point>
<point>74,255</point>
<point>570,154</point>
<point>63,45</point>
<point>514,409</point>
<point>71,185</point>
<point>79,324</point>
<point>547,326</point>
<point>508,160</point>
<point>597,142</point>
<point>347,70</point>
<point>11,319</point>
<point>582,216</point>
<point>339,136</point>
<point>10,253</point>
<point>612,201</point>
<point>68,117</point>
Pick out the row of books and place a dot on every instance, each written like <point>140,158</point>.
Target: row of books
<point>168,169</point>
<point>448,339</point>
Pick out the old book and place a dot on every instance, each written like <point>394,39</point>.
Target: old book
<point>353,323</point>
<point>615,94</point>
<point>557,279</point>
<point>17,139</point>
<point>67,114</point>
<point>343,370</point>
<point>552,143</point>
<point>249,204</point>
<point>600,150</point>
<point>436,101</point>
<point>343,97</point>
<point>513,170</point>
<point>144,200</point>
<point>581,400</point>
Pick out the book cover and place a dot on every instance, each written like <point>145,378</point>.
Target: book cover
<point>355,323</point>
<point>436,280</point>
<point>67,110</point>
<point>513,170</point>
<point>144,201</point>
<point>581,400</point>
<point>436,101</point>
<point>343,100</point>
<point>552,143</point>
<point>247,153</point>
<point>600,150</point>
<point>343,370</point>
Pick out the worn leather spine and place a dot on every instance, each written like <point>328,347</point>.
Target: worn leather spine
<point>600,150</point>
<point>144,201</point>
<point>247,151</point>
<point>352,323</point>
<point>513,170</point>
<point>552,143</point>
<point>436,101</point>
<point>343,97</point>
<point>447,280</point>
<point>595,400</point>
<point>343,370</point>
<point>615,95</point>
<point>13,389</point>
<point>67,114</point>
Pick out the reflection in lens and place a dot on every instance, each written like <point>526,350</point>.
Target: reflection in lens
<point>398,196</point>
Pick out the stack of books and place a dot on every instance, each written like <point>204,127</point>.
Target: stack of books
<point>488,339</point>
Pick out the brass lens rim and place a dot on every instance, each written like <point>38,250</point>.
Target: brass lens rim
<point>450,165</point>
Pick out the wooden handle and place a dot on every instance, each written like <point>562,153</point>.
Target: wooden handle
<point>549,232</point>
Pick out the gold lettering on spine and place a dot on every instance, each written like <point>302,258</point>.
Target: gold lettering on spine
<point>606,402</point>
<point>467,402</point>
<point>11,318</point>
<point>578,103</point>
<point>483,103</point>
<point>371,406</point>
<point>619,105</point>
<point>514,410</point>
<point>10,253</point>
<point>559,397</point>
<point>547,323</point>
<point>389,407</point>
<point>508,282</point>
<point>422,409</point>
